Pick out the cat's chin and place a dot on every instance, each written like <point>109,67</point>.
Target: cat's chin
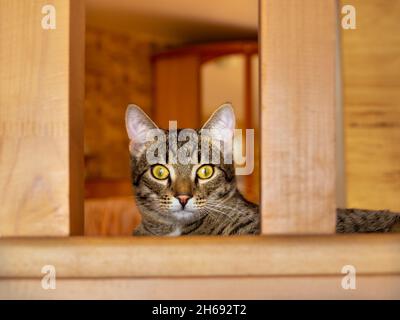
<point>183,215</point>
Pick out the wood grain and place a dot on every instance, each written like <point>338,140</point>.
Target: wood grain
<point>298,65</point>
<point>88,257</point>
<point>371,75</point>
<point>41,93</point>
<point>230,288</point>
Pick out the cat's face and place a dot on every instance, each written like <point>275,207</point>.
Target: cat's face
<point>175,191</point>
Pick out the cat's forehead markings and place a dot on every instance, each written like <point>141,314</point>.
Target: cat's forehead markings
<point>181,169</point>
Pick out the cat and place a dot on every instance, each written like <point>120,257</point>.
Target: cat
<point>201,198</point>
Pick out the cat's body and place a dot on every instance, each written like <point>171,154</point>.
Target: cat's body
<point>201,198</point>
<point>246,220</point>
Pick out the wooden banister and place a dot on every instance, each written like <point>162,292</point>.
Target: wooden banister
<point>298,70</point>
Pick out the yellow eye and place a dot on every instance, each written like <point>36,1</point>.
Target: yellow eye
<point>205,172</point>
<point>160,172</point>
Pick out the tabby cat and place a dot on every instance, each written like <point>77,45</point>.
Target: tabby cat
<point>202,198</point>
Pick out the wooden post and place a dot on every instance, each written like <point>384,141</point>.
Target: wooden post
<point>298,68</point>
<point>41,106</point>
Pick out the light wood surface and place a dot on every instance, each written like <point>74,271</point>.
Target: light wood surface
<point>341,191</point>
<point>41,91</point>
<point>371,75</point>
<point>242,288</point>
<point>87,257</point>
<point>298,55</point>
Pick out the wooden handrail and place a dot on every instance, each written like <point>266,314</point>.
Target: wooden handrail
<point>87,257</point>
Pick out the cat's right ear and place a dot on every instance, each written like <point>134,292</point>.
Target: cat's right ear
<point>138,125</point>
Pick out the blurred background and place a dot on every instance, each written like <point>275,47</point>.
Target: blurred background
<point>179,60</point>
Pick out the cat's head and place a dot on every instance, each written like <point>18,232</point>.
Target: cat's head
<point>173,190</point>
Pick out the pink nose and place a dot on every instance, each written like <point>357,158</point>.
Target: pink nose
<point>183,199</point>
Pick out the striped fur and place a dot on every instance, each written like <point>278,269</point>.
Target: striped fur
<point>246,220</point>
<point>217,207</point>
<point>359,220</point>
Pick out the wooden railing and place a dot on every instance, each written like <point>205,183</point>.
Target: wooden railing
<point>41,177</point>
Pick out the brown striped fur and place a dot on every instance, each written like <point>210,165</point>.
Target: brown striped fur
<point>216,205</point>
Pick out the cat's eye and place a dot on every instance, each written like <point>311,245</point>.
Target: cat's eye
<point>160,172</point>
<point>205,172</point>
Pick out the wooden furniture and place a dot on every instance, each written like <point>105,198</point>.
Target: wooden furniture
<point>177,83</point>
<point>41,119</point>
<point>269,267</point>
<point>298,116</point>
<point>296,266</point>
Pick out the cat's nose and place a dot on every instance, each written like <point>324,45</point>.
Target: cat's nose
<point>183,199</point>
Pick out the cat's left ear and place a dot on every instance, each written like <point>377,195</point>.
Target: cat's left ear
<point>222,123</point>
<point>138,125</point>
